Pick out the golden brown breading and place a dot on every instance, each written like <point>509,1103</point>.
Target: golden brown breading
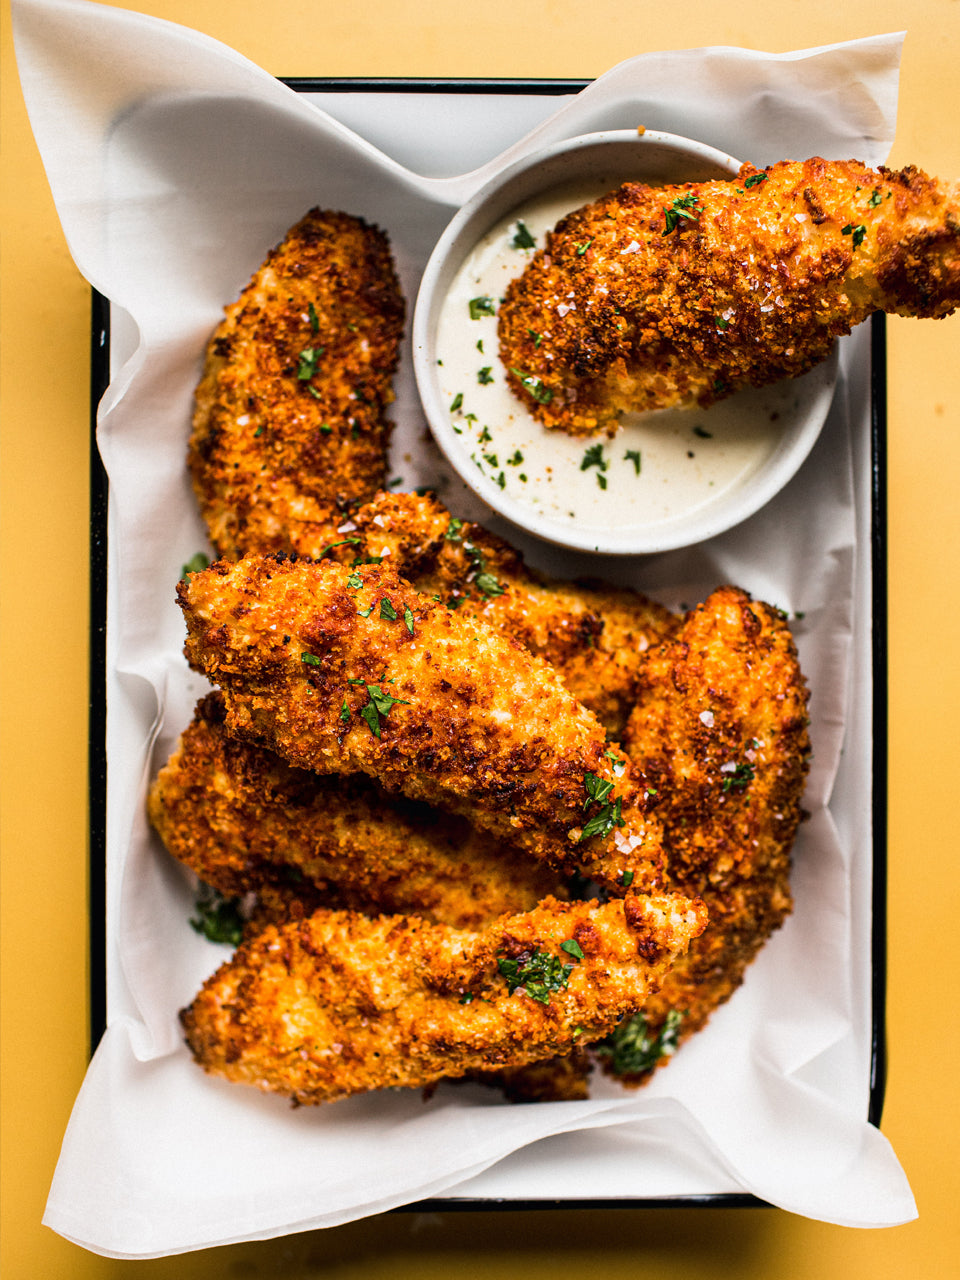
<point>352,671</point>
<point>289,429</point>
<point>339,1004</point>
<point>680,294</point>
<point>244,820</point>
<point>720,732</point>
<point>593,635</point>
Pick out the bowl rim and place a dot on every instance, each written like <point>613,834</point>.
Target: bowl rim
<point>472,220</point>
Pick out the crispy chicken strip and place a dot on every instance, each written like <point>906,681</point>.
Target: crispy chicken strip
<point>720,731</point>
<point>673,295</point>
<point>289,429</point>
<point>352,671</point>
<point>340,1004</point>
<point>245,820</point>
<point>593,635</point>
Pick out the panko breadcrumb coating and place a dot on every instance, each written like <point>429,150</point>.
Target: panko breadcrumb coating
<point>289,429</point>
<point>592,634</point>
<point>243,819</point>
<point>339,1004</point>
<point>351,671</point>
<point>682,294</point>
<point>721,733</point>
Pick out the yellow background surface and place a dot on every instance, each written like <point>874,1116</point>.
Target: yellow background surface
<point>44,309</point>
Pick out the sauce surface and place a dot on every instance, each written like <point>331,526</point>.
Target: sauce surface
<point>659,465</point>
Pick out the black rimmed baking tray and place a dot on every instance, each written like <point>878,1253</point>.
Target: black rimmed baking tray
<point>342,90</point>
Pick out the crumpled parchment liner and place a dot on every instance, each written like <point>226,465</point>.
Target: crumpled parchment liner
<point>175,164</point>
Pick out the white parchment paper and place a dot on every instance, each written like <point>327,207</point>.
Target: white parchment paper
<point>176,164</point>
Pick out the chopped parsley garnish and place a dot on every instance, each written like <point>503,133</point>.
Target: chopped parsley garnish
<point>516,459</point>
<point>482,580</point>
<point>311,660</point>
<point>633,455</point>
<point>572,948</point>
<point>453,530</point>
<point>858,233</point>
<point>597,789</point>
<point>721,322</point>
<point>626,879</point>
<point>408,618</point>
<point>537,337</point>
<point>380,704</point>
<point>344,542</point>
<point>683,207</point>
<point>195,564</point>
<point>488,584</point>
<point>481,307</point>
<point>345,711</point>
<point>457,402</point>
<point>738,777</point>
<point>485,375</point>
<point>538,975</point>
<point>594,458</point>
<point>630,1049</point>
<point>875,198</point>
<point>582,248</point>
<point>608,815</point>
<point>522,239</point>
<point>314,318</point>
<point>218,918</point>
<point>755,179</point>
<point>309,363</point>
<point>355,581</point>
<point>534,385</point>
<point>387,610</point>
<point>703,433</point>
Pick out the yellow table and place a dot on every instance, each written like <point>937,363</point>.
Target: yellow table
<point>45,327</point>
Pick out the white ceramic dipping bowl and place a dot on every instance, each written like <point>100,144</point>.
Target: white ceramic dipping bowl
<point>667,480</point>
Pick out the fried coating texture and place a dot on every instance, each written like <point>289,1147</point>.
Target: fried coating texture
<point>683,294</point>
<point>289,429</point>
<point>243,819</point>
<point>721,733</point>
<point>592,634</point>
<point>352,671</point>
<point>340,1004</point>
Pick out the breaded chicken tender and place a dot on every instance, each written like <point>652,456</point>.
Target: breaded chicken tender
<point>340,1004</point>
<point>721,733</point>
<point>593,635</point>
<point>289,429</point>
<point>659,296</point>
<point>352,671</point>
<point>243,819</point>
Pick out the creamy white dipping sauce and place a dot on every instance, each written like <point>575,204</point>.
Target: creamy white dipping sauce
<point>658,466</point>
